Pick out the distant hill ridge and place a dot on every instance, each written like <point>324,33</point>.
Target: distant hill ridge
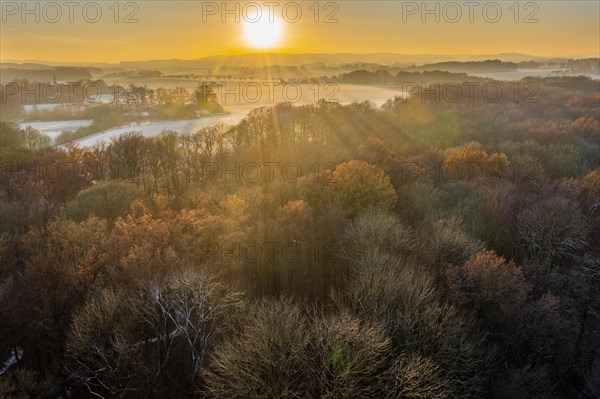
<point>251,59</point>
<point>45,73</point>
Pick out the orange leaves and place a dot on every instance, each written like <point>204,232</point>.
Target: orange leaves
<point>489,283</point>
<point>359,185</point>
<point>591,182</point>
<point>496,280</point>
<point>468,163</point>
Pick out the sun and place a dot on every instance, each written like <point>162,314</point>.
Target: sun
<point>263,33</point>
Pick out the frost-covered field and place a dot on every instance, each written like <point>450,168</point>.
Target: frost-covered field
<point>153,129</point>
<point>239,109</point>
<point>94,99</point>
<point>41,107</point>
<point>239,103</point>
<point>53,128</point>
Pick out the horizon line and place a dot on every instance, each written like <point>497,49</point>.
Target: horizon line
<point>571,56</point>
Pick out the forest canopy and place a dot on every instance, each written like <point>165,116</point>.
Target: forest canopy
<point>422,249</point>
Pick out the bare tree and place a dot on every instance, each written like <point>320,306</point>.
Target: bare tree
<point>122,343</point>
<point>553,228</point>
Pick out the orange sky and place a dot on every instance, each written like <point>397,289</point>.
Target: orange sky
<point>194,29</point>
